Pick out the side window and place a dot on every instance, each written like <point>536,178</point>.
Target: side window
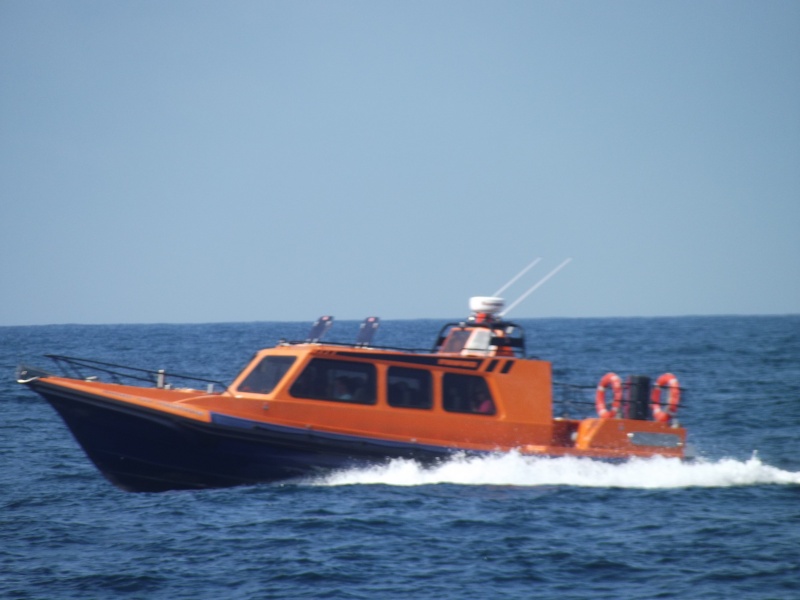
<point>409,388</point>
<point>337,380</point>
<point>267,374</point>
<point>467,394</point>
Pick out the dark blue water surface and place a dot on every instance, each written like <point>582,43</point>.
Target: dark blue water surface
<point>725,526</point>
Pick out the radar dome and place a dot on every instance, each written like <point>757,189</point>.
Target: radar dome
<point>486,304</point>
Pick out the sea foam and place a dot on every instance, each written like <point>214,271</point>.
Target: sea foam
<point>517,470</point>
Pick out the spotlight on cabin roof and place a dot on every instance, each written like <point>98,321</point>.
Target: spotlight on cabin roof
<point>490,305</point>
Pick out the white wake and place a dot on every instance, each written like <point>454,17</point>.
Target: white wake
<point>516,470</point>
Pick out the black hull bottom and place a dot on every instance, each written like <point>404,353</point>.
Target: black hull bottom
<point>144,450</point>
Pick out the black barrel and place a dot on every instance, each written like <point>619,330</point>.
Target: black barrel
<point>637,397</point>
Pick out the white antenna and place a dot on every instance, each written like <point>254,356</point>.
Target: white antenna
<point>533,289</point>
<point>517,276</point>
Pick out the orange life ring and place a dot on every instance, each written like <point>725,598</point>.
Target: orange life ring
<point>667,380</point>
<point>613,380</point>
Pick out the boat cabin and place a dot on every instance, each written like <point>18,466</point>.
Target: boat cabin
<point>472,387</point>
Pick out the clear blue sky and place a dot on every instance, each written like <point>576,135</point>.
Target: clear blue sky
<point>191,161</point>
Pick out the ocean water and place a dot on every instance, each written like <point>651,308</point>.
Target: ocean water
<point>724,526</point>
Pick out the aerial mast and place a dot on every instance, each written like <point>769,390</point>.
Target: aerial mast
<point>535,287</point>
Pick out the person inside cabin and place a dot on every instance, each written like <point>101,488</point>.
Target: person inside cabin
<point>342,389</point>
<point>482,402</point>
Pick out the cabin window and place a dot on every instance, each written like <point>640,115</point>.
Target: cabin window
<point>409,388</point>
<point>467,394</point>
<point>267,374</point>
<point>341,381</point>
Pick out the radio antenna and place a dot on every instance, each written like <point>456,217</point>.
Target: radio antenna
<point>533,289</point>
<point>517,276</point>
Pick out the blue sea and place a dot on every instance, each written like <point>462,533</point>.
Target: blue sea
<point>726,525</point>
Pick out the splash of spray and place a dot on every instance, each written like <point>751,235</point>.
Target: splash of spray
<point>517,470</point>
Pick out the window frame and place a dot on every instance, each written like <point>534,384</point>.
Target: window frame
<point>256,373</point>
<point>425,391</point>
<point>468,388</point>
<point>329,372</point>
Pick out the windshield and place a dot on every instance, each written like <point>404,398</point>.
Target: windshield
<point>267,374</point>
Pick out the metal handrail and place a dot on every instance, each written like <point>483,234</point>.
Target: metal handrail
<point>72,365</point>
<point>571,396</point>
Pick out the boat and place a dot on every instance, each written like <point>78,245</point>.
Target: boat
<point>305,408</point>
